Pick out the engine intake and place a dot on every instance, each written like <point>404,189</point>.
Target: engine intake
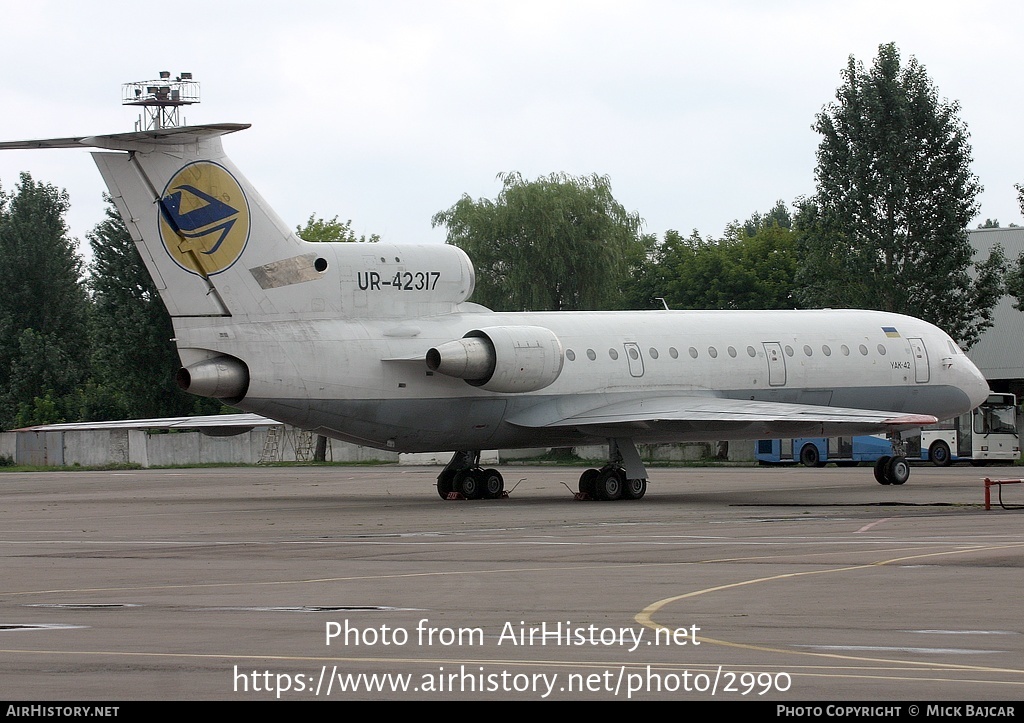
<point>501,358</point>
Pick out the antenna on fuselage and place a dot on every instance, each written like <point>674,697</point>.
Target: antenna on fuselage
<point>161,100</point>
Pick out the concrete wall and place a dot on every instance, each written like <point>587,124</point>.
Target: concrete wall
<point>96,447</point>
<point>161,449</point>
<point>8,444</point>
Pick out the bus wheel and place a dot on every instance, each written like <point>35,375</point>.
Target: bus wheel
<point>809,456</point>
<point>939,454</point>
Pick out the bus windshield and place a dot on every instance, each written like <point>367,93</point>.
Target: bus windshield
<point>995,420</point>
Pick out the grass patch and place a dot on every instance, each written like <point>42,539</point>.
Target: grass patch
<point>113,467</point>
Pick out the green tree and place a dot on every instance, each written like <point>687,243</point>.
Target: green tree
<point>134,359</point>
<point>321,230</point>
<point>779,216</point>
<point>751,267</point>
<point>1015,282</point>
<point>44,348</point>
<point>1015,276</point>
<point>887,227</point>
<point>559,242</point>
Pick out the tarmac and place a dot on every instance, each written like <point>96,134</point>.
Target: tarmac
<point>360,583</point>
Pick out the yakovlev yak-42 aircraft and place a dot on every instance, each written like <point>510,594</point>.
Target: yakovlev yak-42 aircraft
<point>376,344</point>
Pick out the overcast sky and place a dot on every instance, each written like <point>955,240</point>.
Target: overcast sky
<point>386,112</point>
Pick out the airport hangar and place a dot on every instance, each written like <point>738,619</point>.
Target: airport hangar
<point>999,353</point>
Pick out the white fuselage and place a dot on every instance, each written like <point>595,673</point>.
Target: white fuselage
<point>364,380</point>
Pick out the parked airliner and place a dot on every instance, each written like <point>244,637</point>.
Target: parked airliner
<point>377,344</point>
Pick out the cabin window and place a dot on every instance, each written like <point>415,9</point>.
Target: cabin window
<point>732,352</point>
<point>807,350</point>
<point>826,350</point>
<point>751,352</point>
<point>570,355</point>
<point>789,350</point>
<point>591,355</point>
<point>673,352</point>
<point>693,352</point>
<point>713,352</point>
<point>653,352</point>
<point>881,349</point>
<point>863,350</point>
<point>613,354</point>
<point>633,353</point>
<point>845,349</point>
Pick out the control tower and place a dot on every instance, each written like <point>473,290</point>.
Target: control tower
<point>161,100</point>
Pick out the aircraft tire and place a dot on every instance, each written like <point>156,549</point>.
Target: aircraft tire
<point>608,485</point>
<point>469,484</point>
<point>898,470</point>
<point>939,454</point>
<point>634,489</point>
<point>588,481</point>
<point>445,484</point>
<point>493,484</point>
<point>880,470</point>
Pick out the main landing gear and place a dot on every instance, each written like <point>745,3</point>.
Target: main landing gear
<point>464,478</point>
<point>609,484</point>
<point>894,469</point>
<point>623,478</point>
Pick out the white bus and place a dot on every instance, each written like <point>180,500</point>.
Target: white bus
<point>989,433</point>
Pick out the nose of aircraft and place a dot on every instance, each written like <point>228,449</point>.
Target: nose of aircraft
<point>974,383</point>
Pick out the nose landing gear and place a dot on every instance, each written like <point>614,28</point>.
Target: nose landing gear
<point>894,469</point>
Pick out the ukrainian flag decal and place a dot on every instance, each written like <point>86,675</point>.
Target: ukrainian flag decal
<point>890,331</point>
<point>204,218</point>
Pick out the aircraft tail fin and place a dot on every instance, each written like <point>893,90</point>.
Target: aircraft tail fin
<point>215,248</point>
<point>192,214</point>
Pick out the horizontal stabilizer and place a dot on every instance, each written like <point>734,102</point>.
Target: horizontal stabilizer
<point>139,140</point>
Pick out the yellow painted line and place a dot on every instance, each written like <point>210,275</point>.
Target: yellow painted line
<point>807,671</point>
<point>646,616</point>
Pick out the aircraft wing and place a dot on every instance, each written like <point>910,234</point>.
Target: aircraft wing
<point>689,416</point>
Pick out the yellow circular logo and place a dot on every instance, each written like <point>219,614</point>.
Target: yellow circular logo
<point>204,218</point>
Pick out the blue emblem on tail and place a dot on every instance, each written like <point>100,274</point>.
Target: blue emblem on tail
<point>203,218</point>
<point>215,216</point>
